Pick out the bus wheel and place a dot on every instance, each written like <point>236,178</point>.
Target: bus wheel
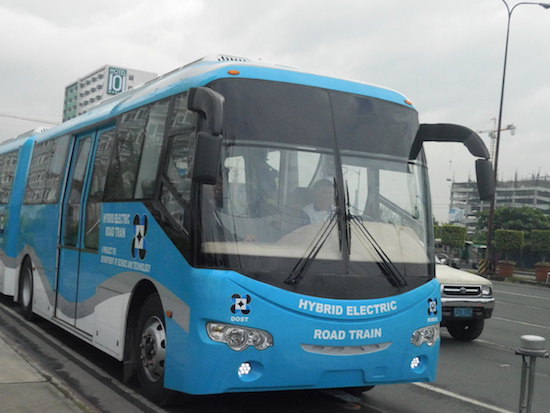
<point>358,391</point>
<point>466,330</point>
<point>26,290</point>
<point>151,350</point>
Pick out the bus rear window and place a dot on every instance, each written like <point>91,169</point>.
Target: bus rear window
<point>8,163</point>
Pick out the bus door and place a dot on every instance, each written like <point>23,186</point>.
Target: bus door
<point>78,247</point>
<point>70,242</point>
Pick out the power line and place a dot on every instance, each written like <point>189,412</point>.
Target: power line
<point>20,117</point>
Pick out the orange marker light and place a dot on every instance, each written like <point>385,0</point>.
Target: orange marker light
<point>408,102</point>
<point>169,314</point>
<point>233,72</point>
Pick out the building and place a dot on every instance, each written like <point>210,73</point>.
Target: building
<point>99,85</point>
<point>466,205</point>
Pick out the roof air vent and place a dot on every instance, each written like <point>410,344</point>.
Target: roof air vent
<point>227,58</point>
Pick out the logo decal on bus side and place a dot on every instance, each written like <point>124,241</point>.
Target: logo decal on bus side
<point>240,304</point>
<point>432,306</point>
<point>138,242</point>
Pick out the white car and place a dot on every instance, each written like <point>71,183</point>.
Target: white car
<point>467,300</point>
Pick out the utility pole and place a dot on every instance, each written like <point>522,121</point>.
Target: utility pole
<point>490,254</point>
<point>489,265</point>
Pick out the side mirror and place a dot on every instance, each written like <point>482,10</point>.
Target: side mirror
<point>207,156</point>
<point>447,132</point>
<point>206,164</point>
<point>485,179</point>
<point>210,105</point>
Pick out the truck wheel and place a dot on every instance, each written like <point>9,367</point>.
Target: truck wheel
<point>466,330</point>
<point>26,290</point>
<point>150,347</point>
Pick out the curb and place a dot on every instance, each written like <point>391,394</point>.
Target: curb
<point>63,389</point>
<point>518,280</point>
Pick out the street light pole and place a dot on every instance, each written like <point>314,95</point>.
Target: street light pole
<point>490,220</point>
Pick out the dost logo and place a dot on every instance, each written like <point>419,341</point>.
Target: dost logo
<point>240,304</point>
<point>138,242</point>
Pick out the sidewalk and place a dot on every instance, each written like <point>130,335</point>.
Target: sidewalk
<point>521,276</point>
<point>23,388</point>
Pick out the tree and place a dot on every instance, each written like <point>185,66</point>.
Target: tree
<point>507,241</point>
<point>519,219</point>
<point>453,236</point>
<point>437,230</point>
<point>540,242</point>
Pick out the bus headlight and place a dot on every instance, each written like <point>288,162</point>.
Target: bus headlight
<point>428,335</point>
<point>239,338</point>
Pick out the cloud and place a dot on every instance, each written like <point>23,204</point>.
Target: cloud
<point>445,56</point>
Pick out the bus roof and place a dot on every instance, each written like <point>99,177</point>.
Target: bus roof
<point>205,70</point>
<point>15,143</point>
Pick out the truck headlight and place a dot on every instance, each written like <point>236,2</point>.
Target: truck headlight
<point>486,290</point>
<point>239,338</point>
<point>428,335</point>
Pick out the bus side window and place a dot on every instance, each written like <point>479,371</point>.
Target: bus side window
<point>122,175</point>
<point>154,134</point>
<point>8,163</point>
<point>56,169</point>
<point>97,189</point>
<point>47,166</point>
<point>178,160</point>
<point>73,206</point>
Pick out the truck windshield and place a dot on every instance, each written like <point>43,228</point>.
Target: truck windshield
<point>315,186</point>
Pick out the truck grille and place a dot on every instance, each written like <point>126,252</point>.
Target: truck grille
<point>461,291</point>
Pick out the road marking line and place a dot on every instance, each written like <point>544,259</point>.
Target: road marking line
<point>534,307</point>
<point>462,398</point>
<point>499,346</point>
<point>523,295</point>
<point>522,323</point>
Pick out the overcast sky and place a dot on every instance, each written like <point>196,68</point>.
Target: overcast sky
<point>445,56</point>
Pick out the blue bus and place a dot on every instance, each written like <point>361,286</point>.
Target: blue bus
<point>234,226</point>
<point>15,156</point>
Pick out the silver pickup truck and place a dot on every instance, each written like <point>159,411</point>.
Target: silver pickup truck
<point>467,300</point>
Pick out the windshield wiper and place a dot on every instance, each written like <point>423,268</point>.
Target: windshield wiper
<point>388,268</point>
<point>303,264</point>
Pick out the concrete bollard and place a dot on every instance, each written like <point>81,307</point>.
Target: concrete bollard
<point>531,348</point>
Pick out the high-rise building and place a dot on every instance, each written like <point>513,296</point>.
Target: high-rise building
<point>466,205</point>
<point>99,85</point>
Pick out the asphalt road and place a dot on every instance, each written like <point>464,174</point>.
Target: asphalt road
<point>481,376</point>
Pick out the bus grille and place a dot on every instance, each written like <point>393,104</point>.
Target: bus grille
<point>345,350</point>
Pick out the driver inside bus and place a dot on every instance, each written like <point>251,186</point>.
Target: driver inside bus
<point>323,202</point>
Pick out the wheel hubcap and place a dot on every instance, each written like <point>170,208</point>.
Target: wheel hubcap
<point>153,349</point>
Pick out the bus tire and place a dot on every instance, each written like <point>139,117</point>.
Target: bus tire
<point>26,290</point>
<point>150,348</point>
<point>466,330</point>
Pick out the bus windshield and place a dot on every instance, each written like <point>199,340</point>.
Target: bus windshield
<point>316,193</point>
